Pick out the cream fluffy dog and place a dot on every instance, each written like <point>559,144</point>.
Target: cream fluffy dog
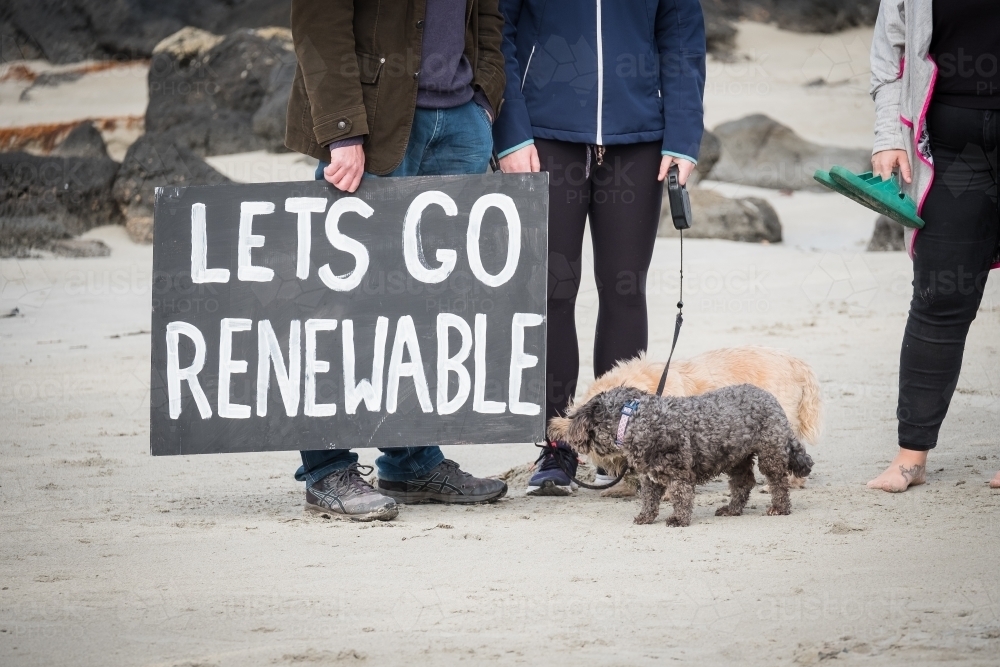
<point>788,378</point>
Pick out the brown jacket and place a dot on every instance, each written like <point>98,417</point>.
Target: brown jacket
<point>357,72</point>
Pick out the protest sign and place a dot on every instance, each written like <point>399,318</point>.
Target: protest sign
<point>294,316</point>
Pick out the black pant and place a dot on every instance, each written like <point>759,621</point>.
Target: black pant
<point>953,255</point>
<point>622,199</point>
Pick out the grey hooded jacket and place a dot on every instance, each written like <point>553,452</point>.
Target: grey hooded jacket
<point>903,76</point>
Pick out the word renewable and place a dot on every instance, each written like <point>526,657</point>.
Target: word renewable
<point>292,316</point>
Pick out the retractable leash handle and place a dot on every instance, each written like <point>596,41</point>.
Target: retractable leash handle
<point>680,202</point>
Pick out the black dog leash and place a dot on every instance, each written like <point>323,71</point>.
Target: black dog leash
<point>677,323</point>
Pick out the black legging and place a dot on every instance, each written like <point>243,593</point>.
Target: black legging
<point>953,254</point>
<point>622,199</point>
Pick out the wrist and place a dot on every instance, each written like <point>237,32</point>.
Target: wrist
<point>514,149</point>
<point>343,143</point>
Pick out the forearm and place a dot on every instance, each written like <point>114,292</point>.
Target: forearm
<point>680,38</point>
<point>512,129</point>
<point>887,63</point>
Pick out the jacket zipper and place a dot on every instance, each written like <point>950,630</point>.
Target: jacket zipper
<point>600,79</point>
<point>524,77</point>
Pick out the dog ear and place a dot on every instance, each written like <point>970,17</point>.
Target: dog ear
<point>582,423</point>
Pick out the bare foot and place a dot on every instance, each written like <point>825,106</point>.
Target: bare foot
<point>995,482</point>
<point>909,468</point>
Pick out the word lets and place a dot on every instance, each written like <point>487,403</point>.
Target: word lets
<point>413,252</point>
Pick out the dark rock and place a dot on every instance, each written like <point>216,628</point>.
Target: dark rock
<point>757,150</point>
<point>716,217</point>
<point>84,140</point>
<point>708,155</point>
<point>21,234</point>
<point>79,248</point>
<point>154,161</point>
<point>14,43</point>
<point>269,120</point>
<point>206,90</point>
<point>71,30</point>
<point>720,31</point>
<point>887,237</point>
<point>52,197</point>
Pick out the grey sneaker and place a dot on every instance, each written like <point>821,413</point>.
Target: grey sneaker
<point>345,494</point>
<point>446,483</point>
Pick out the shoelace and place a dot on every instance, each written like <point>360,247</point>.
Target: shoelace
<point>354,477</point>
<point>548,459</point>
<point>454,468</point>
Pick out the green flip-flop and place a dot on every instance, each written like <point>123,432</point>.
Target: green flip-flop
<point>823,178</point>
<point>880,196</point>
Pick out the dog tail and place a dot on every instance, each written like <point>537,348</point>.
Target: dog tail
<point>799,462</point>
<point>811,404</point>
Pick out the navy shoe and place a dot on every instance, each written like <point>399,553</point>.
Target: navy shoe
<point>553,464</point>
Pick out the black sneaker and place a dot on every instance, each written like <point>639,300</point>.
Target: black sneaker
<point>556,466</point>
<point>345,494</point>
<point>446,483</point>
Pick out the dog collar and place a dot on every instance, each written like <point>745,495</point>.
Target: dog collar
<point>628,410</point>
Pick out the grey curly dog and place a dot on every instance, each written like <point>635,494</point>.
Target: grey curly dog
<point>674,443</point>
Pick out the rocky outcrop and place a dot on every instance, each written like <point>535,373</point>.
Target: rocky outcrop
<point>747,219</point>
<point>64,31</point>
<point>44,198</point>
<point>800,15</point>
<point>151,162</point>
<point>720,29</point>
<point>887,236</point>
<point>220,95</point>
<point>757,150</point>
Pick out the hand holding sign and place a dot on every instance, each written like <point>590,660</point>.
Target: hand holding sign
<point>346,168</point>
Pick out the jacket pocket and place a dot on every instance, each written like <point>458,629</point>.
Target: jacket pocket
<point>369,67</point>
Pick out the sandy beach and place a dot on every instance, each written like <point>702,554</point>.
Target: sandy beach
<point>112,557</point>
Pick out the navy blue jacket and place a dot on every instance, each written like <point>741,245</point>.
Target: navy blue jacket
<point>635,73</point>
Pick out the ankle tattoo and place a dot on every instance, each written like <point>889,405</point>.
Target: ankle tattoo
<point>912,472</point>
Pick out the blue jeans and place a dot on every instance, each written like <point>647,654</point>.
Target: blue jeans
<point>442,142</point>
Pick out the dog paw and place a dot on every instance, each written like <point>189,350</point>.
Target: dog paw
<point>674,521</point>
<point>643,520</point>
<point>778,511</point>
<point>725,510</point>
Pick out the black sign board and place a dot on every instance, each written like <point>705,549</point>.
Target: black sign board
<point>294,316</point>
